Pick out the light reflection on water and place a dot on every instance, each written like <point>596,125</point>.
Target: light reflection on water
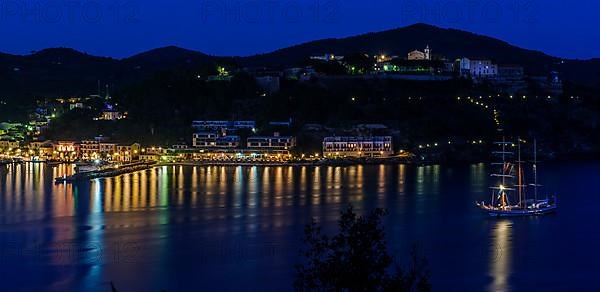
<point>500,256</point>
<point>199,220</point>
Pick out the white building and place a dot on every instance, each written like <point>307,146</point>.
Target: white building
<point>213,140</point>
<point>358,146</point>
<point>271,142</point>
<point>204,140</point>
<point>478,68</point>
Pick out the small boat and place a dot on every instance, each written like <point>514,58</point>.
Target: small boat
<point>509,196</point>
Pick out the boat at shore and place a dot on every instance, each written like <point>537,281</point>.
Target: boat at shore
<point>510,197</point>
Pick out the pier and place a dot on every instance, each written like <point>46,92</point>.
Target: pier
<point>108,172</point>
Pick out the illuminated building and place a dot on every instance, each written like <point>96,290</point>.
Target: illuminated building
<point>358,146</point>
<point>223,125</point>
<point>418,55</point>
<point>66,150</point>
<point>478,68</point>
<point>271,142</point>
<point>126,153</point>
<point>8,144</point>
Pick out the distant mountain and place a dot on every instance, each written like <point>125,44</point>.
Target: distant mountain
<point>52,72</point>
<point>66,72</point>
<point>166,58</point>
<point>450,43</point>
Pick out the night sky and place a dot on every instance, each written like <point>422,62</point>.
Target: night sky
<point>565,28</point>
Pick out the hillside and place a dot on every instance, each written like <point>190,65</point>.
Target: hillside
<point>67,72</point>
<point>450,43</point>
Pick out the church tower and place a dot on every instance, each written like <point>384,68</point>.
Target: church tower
<point>427,53</point>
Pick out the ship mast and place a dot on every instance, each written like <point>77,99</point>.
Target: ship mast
<point>506,172</point>
<point>535,183</point>
<point>519,182</point>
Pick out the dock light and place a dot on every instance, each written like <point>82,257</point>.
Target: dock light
<point>501,187</point>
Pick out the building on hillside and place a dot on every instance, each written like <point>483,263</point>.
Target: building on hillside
<point>417,67</point>
<point>328,58</point>
<point>478,69</point>
<point>299,73</point>
<point>358,146</point>
<point>111,115</point>
<point>418,55</point>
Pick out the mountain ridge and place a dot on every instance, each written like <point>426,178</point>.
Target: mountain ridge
<point>66,71</point>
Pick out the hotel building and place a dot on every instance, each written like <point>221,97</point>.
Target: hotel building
<point>358,146</point>
<point>275,142</point>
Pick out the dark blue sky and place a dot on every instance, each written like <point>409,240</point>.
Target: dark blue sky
<point>119,28</point>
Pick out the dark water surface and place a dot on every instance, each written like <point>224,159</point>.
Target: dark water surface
<point>240,228</point>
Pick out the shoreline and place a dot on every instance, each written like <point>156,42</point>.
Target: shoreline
<point>323,162</point>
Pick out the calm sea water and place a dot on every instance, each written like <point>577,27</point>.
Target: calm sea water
<point>239,228</point>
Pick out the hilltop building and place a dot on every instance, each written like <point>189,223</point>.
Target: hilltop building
<point>418,55</point>
<point>478,69</point>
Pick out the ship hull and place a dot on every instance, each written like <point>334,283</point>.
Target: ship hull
<point>521,212</point>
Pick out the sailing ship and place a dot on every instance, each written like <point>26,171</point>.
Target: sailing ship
<point>510,197</point>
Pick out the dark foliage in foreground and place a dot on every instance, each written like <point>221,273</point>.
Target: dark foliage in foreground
<point>356,259</point>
